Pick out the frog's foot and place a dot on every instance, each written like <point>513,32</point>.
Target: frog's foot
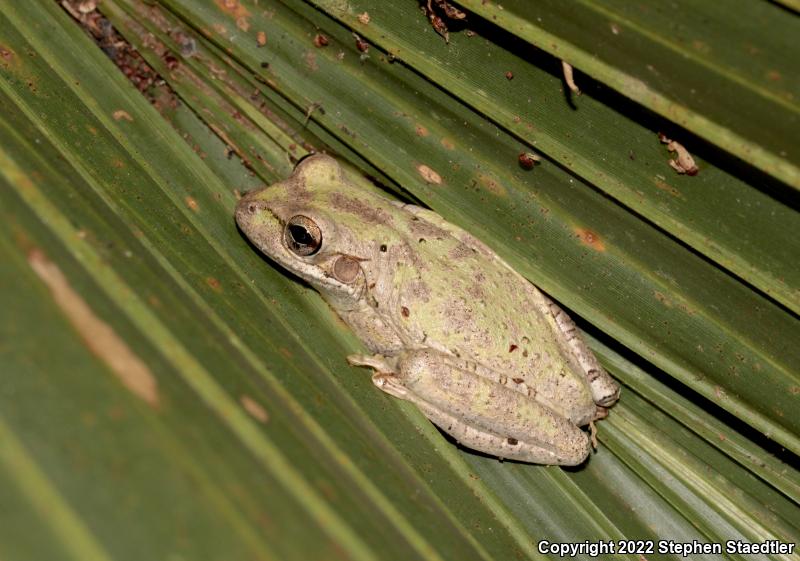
<point>605,391</point>
<point>600,413</point>
<point>390,384</point>
<point>379,363</point>
<point>384,376</point>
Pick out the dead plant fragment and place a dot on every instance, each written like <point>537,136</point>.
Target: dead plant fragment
<point>432,9</point>
<point>684,163</point>
<point>361,45</point>
<point>125,57</point>
<point>527,160</point>
<point>568,77</point>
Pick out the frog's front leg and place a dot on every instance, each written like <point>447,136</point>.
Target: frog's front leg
<point>479,412</point>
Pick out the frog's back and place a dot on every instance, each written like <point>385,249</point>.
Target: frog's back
<point>467,301</point>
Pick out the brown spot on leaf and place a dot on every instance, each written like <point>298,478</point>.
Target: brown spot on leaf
<point>254,408</point>
<point>492,185</point>
<point>191,202</point>
<point>311,60</point>
<point>214,284</point>
<point>261,38</point>
<point>664,186</point>
<point>663,299</point>
<point>421,130</point>
<point>447,143</point>
<point>120,114</point>
<point>590,238</point>
<point>320,40</point>
<point>98,336</point>
<point>428,175</point>
<point>234,9</point>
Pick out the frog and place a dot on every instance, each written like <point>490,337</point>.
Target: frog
<point>449,325</point>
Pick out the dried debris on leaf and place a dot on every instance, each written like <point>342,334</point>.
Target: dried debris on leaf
<point>432,9</point>
<point>568,78</point>
<point>527,160</point>
<point>125,57</point>
<point>684,163</point>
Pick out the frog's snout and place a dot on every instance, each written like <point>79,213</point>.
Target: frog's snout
<point>247,209</point>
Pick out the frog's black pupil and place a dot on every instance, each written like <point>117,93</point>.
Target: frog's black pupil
<point>300,235</point>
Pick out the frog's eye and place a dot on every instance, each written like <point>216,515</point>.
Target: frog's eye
<point>302,235</point>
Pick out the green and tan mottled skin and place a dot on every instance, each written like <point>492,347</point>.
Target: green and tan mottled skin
<point>479,349</point>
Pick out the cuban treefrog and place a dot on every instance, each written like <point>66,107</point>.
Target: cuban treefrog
<point>480,350</point>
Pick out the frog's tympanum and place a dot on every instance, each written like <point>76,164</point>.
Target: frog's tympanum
<point>452,327</point>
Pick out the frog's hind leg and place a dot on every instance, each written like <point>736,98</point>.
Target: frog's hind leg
<point>507,447</point>
<point>605,391</point>
<point>482,413</point>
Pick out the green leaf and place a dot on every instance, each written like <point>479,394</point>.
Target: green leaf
<point>168,393</point>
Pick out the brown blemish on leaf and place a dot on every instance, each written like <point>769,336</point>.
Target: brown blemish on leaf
<point>492,185</point>
<point>794,390</point>
<point>117,163</point>
<point>191,202</point>
<point>254,408</point>
<point>590,238</point>
<point>428,175</point>
<point>230,144</point>
<point>120,114</point>
<point>99,337</point>
<point>421,130</point>
<point>214,284</point>
<point>774,76</point>
<point>664,186</point>
<point>261,38</point>
<point>310,59</point>
<point>235,10</point>
<point>8,58</point>
<point>364,18</point>
<point>447,143</point>
<point>286,352</point>
<point>661,297</point>
<point>220,29</point>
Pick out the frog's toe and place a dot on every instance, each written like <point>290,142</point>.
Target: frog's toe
<point>377,362</point>
<point>390,384</point>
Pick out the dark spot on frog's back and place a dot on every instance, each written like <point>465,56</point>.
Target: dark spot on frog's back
<point>359,208</point>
